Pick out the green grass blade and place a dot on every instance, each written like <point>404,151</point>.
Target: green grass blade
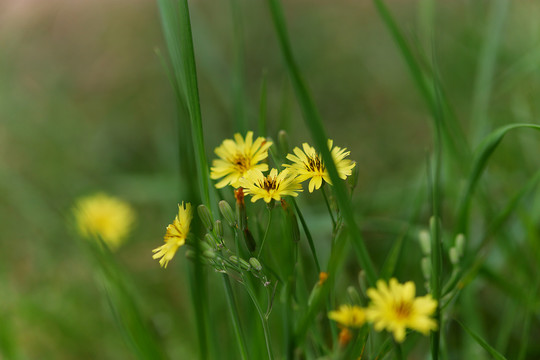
<point>235,318</point>
<point>239,78</point>
<point>314,123</point>
<point>482,342</point>
<point>486,68</point>
<point>483,154</point>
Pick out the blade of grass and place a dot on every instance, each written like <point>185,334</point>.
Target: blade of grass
<point>482,342</point>
<point>314,123</point>
<point>486,69</point>
<point>239,91</point>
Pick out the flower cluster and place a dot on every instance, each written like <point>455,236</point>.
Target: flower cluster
<point>394,307</point>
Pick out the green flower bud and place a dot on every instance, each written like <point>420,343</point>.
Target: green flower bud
<point>190,254</point>
<point>209,254</point>
<point>255,263</point>
<point>354,297</point>
<point>219,228</point>
<point>460,244</point>
<point>210,239</point>
<point>227,212</point>
<point>205,245</point>
<point>204,215</point>
<point>453,254</point>
<point>425,241</point>
<point>283,142</point>
<point>239,261</point>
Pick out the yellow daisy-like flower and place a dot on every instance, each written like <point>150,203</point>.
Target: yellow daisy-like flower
<point>175,236</point>
<point>104,216</point>
<point>237,157</point>
<point>349,316</point>
<point>394,307</point>
<point>271,186</point>
<point>308,164</point>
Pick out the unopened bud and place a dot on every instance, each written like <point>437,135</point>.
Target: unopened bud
<point>453,254</point>
<point>255,263</point>
<point>205,245</point>
<point>190,254</point>
<point>209,254</point>
<point>460,244</point>
<point>239,261</point>
<point>210,239</point>
<point>353,295</point>
<point>205,217</point>
<point>426,267</point>
<point>425,241</point>
<point>283,142</point>
<point>227,212</point>
<point>219,228</point>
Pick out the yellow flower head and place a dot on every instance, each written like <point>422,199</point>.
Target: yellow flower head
<point>175,236</point>
<point>104,216</point>
<point>271,186</point>
<point>395,307</point>
<point>308,164</point>
<point>349,316</point>
<point>237,158</point>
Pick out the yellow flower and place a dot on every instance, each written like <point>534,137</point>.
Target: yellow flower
<point>308,164</point>
<point>237,158</point>
<point>104,216</point>
<point>271,186</point>
<point>175,236</point>
<point>395,308</point>
<point>349,316</point>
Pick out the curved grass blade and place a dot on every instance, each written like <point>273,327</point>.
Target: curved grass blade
<point>497,355</point>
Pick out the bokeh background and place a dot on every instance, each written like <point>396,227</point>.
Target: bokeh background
<point>86,106</point>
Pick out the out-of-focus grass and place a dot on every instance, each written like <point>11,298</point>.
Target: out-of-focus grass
<point>85,105</point>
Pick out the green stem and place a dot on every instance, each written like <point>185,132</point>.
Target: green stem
<point>266,232</point>
<point>264,320</point>
<point>308,235</point>
<point>328,206</point>
<point>235,318</point>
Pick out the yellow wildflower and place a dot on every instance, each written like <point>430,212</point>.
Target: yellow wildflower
<point>271,186</point>
<point>395,308</point>
<point>175,236</point>
<point>104,216</point>
<point>237,157</point>
<point>349,316</point>
<point>308,164</point>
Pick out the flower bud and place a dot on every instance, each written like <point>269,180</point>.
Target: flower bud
<point>239,261</point>
<point>453,255</point>
<point>227,212</point>
<point>205,216</point>
<point>209,254</point>
<point>460,244</point>
<point>210,239</point>
<point>425,241</point>
<point>190,254</point>
<point>353,295</point>
<point>219,228</point>
<point>205,245</point>
<point>255,263</point>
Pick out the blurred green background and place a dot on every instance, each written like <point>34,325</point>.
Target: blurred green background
<point>86,106</point>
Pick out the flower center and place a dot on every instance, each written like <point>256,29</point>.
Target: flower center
<point>241,163</point>
<point>268,183</point>
<point>314,164</point>
<point>402,309</point>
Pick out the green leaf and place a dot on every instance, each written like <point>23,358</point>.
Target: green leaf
<point>482,342</point>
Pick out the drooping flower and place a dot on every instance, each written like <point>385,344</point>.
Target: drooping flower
<point>350,316</point>
<point>394,307</point>
<point>175,236</point>
<point>271,186</point>
<point>105,217</point>
<point>308,164</point>
<point>237,157</point>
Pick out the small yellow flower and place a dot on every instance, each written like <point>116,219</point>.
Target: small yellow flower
<point>175,236</point>
<point>308,164</point>
<point>271,186</point>
<point>349,316</point>
<point>104,216</point>
<point>395,308</point>
<point>237,157</point>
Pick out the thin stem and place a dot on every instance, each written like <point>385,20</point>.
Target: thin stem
<point>308,235</point>
<point>399,351</point>
<point>264,321</point>
<point>235,318</point>
<point>266,232</point>
<point>328,207</point>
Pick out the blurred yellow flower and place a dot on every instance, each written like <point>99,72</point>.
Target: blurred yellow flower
<point>395,308</point>
<point>104,216</point>
<point>271,186</point>
<point>308,164</point>
<point>175,236</point>
<point>237,157</point>
<point>349,316</point>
